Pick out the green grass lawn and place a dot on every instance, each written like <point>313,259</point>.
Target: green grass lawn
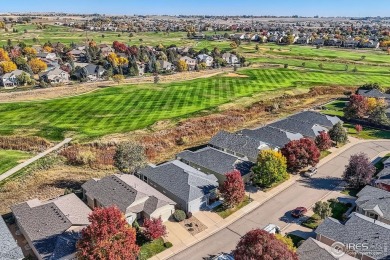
<point>335,108</point>
<point>131,107</point>
<point>379,165</point>
<point>351,192</point>
<point>10,158</point>
<point>151,249</point>
<point>224,212</point>
<point>324,154</point>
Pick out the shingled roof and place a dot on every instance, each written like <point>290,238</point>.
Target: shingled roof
<point>183,181</point>
<point>44,223</point>
<point>127,192</point>
<point>216,161</point>
<point>371,198</point>
<point>316,118</point>
<point>313,249</point>
<point>237,143</point>
<point>359,229</point>
<point>274,137</point>
<point>9,249</point>
<point>307,129</point>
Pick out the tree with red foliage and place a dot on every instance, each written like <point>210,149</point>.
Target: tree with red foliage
<point>301,153</point>
<point>323,141</point>
<point>119,47</point>
<point>154,228</point>
<point>359,171</point>
<point>233,189</point>
<point>357,107</point>
<point>133,50</point>
<point>261,245</point>
<point>109,236</point>
<point>358,128</point>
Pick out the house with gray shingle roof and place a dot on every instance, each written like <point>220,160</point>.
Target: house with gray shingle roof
<point>313,249</point>
<point>238,145</point>
<point>9,248</point>
<point>135,198</point>
<point>190,188</point>
<point>212,161</point>
<point>374,203</point>
<point>367,238</point>
<point>53,227</point>
<point>307,129</point>
<point>316,118</point>
<point>383,177</point>
<point>273,137</point>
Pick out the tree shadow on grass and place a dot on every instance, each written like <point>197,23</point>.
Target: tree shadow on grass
<point>65,184</point>
<point>326,183</point>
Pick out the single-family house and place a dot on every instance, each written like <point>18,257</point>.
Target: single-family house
<point>90,72</point>
<point>307,129</point>
<point>350,43</point>
<point>135,198</point>
<point>212,161</point>
<point>190,188</point>
<point>312,249</point>
<point>55,76</point>
<point>165,65</point>
<point>230,58</point>
<point>77,55</point>
<point>10,79</point>
<point>273,137</point>
<point>374,203</point>
<point>9,248</point>
<point>52,228</point>
<point>239,145</point>
<point>363,236</point>
<point>370,44</point>
<point>47,55</point>
<point>382,180</point>
<point>191,63</point>
<point>204,58</point>
<point>316,118</point>
<point>303,40</point>
<point>318,42</point>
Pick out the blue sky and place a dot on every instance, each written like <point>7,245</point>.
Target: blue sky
<point>208,7</point>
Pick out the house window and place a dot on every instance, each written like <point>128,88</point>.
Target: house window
<point>145,179</point>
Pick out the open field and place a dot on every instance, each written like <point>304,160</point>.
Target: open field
<point>131,107</point>
<point>9,159</point>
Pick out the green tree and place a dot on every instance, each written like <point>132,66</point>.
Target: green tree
<point>322,209</point>
<point>130,157</point>
<point>338,133</point>
<point>271,167</point>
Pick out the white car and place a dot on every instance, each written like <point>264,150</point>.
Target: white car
<point>223,257</point>
<point>272,229</point>
<point>309,173</point>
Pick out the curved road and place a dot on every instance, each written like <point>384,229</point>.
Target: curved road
<point>304,192</point>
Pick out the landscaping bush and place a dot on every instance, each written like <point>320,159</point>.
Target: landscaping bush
<point>189,215</point>
<point>27,143</point>
<point>179,215</point>
<point>168,244</point>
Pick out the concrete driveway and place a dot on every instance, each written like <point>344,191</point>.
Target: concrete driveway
<point>305,192</point>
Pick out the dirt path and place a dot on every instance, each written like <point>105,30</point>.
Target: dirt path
<point>79,89</point>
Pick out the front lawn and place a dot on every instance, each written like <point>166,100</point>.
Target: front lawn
<point>367,133</point>
<point>224,212</point>
<point>324,154</point>
<point>350,192</point>
<point>312,222</point>
<point>379,165</point>
<point>151,249</point>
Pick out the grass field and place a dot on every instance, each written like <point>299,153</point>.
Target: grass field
<point>126,108</point>
<point>9,159</point>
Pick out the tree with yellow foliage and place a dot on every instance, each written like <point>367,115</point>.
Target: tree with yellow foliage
<point>29,51</point>
<point>37,65</point>
<point>122,61</point>
<point>2,25</point>
<point>113,59</point>
<point>118,78</point>
<point>271,167</point>
<point>4,55</point>
<point>7,66</point>
<point>47,49</point>
<point>373,103</point>
<point>182,66</point>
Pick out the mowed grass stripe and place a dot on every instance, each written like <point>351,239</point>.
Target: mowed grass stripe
<point>126,108</point>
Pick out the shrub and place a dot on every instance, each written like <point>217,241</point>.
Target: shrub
<point>189,215</point>
<point>135,225</point>
<point>285,66</point>
<point>179,215</point>
<point>168,244</point>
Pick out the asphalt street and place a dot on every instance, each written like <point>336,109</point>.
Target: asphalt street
<point>305,192</point>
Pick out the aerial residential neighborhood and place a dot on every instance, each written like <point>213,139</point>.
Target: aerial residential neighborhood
<point>198,130</point>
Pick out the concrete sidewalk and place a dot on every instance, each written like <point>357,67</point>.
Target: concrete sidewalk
<point>180,237</point>
<point>31,160</point>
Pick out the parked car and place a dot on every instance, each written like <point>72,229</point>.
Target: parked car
<point>223,256</point>
<point>298,212</point>
<point>309,173</point>
<point>272,229</point>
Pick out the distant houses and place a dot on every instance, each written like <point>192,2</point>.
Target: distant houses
<point>10,80</point>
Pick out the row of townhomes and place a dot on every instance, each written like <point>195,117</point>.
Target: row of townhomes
<point>61,64</point>
<point>364,235</point>
<point>189,182</point>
